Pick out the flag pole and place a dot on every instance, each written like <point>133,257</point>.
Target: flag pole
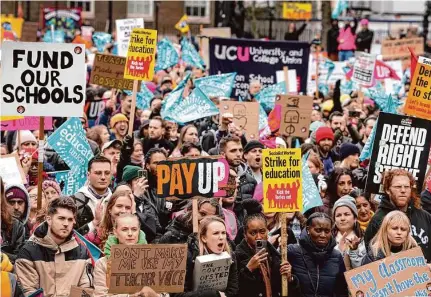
<point>40,161</point>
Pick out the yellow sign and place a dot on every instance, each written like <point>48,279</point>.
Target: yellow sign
<point>282,181</point>
<point>418,102</point>
<point>11,27</point>
<point>182,25</point>
<point>141,55</point>
<point>297,11</point>
<point>10,118</point>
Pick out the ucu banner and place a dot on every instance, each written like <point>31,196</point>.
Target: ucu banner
<point>258,60</point>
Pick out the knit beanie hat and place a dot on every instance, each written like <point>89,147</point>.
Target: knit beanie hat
<point>316,125</point>
<point>252,144</point>
<point>16,192</point>
<point>348,201</point>
<point>324,132</point>
<point>130,172</point>
<point>348,149</point>
<point>119,117</point>
<point>26,136</point>
<point>53,184</point>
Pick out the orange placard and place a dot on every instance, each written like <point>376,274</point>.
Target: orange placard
<point>418,102</point>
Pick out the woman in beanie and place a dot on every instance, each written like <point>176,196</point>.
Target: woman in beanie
<point>347,232</point>
<point>51,189</point>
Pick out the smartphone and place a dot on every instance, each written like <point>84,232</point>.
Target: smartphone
<point>143,173</point>
<point>260,245</point>
<point>354,114</point>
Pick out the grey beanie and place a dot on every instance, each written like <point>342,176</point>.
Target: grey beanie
<point>348,201</point>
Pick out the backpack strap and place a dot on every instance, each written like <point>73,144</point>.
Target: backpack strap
<point>82,199</point>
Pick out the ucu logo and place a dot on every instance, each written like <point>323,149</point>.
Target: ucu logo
<point>232,53</point>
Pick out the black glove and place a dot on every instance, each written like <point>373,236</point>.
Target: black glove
<point>127,148</point>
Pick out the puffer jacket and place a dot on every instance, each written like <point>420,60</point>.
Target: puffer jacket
<point>347,35</point>
<point>364,38</point>
<point>41,263</point>
<point>316,272</point>
<point>246,186</point>
<point>420,221</point>
<point>176,232</point>
<point>12,243</point>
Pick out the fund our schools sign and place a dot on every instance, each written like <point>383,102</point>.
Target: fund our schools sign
<point>258,60</point>
<point>40,79</point>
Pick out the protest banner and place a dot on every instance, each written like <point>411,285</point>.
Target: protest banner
<point>403,274</point>
<point>399,49</point>
<point>211,272</point>
<point>167,50</point>
<point>297,11</point>
<point>363,69</point>
<point>295,114</point>
<point>292,80</point>
<point>258,60</point>
<point>159,266</point>
<point>220,85</point>
<point>401,142</point>
<point>26,123</point>
<point>10,27</point>
<point>66,20</point>
<point>282,181</point>
<point>80,292</point>
<point>190,56</point>
<point>245,116</point>
<point>190,177</point>
<point>40,79</point>
<point>206,34</point>
<point>108,71</point>
<point>418,102</point>
<point>124,31</point>
<point>11,170</point>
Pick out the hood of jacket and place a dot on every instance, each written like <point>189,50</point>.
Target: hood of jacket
<point>41,237</point>
<point>318,254</point>
<point>85,190</point>
<point>25,216</point>
<point>112,239</point>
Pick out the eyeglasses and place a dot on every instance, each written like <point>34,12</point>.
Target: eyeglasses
<point>399,188</point>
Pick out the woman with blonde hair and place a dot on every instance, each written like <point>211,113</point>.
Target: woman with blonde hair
<point>393,237</point>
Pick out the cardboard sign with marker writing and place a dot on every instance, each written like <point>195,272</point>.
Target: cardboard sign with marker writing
<point>295,114</point>
<point>159,266</point>
<point>245,116</point>
<point>80,292</point>
<point>399,49</point>
<point>108,71</point>
<point>212,272</point>
<point>11,170</point>
<point>403,274</point>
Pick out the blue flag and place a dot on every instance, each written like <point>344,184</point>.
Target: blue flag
<point>310,194</point>
<point>73,180</point>
<point>219,85</point>
<point>368,147</point>
<point>59,36</point>
<point>190,55</point>
<point>330,66</point>
<point>266,96</point>
<point>172,99</point>
<point>143,97</point>
<point>167,56</point>
<point>340,7</point>
<point>197,105</point>
<point>95,252</point>
<point>101,39</point>
<point>183,83</point>
<point>263,118</point>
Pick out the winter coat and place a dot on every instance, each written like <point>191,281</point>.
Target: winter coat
<point>246,186</point>
<point>41,263</point>
<point>347,34</point>
<point>26,214</point>
<point>420,221</point>
<point>149,221</point>
<point>158,207</point>
<point>176,232</point>
<point>11,244</point>
<point>426,200</point>
<point>316,269</point>
<point>192,253</point>
<point>363,40</point>
<point>370,257</point>
<point>332,43</point>
<point>294,36</point>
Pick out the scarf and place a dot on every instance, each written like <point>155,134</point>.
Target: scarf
<point>364,225</point>
<point>98,196</point>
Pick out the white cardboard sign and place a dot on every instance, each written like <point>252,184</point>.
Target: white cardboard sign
<point>11,170</point>
<point>124,31</point>
<point>211,272</point>
<point>363,69</point>
<point>42,79</point>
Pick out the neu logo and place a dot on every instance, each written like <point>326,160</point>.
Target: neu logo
<point>232,53</point>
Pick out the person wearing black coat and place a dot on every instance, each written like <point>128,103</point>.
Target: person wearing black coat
<point>293,34</point>
<point>364,38</point>
<point>332,43</point>
<point>13,239</point>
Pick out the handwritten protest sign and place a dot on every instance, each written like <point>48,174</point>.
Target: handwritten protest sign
<point>211,272</point>
<point>403,274</point>
<point>295,114</point>
<point>124,31</point>
<point>419,100</point>
<point>245,116</point>
<point>400,142</point>
<point>27,123</point>
<point>399,49</point>
<point>297,11</point>
<point>159,266</point>
<point>40,79</point>
<point>282,183</point>
<point>141,55</point>
<point>108,71</point>
<point>363,69</point>
<point>80,292</point>
<point>11,170</point>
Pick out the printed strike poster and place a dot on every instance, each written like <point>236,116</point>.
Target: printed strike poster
<point>419,100</point>
<point>282,182</point>
<point>363,69</point>
<point>124,31</point>
<point>141,55</point>
<point>297,11</point>
<point>40,79</point>
<point>11,27</point>
<point>400,142</point>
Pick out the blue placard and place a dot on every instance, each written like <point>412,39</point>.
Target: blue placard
<point>219,85</point>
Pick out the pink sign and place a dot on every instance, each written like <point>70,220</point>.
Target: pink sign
<point>27,123</point>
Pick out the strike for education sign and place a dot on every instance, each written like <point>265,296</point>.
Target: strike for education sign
<point>419,101</point>
<point>40,79</point>
<point>401,142</point>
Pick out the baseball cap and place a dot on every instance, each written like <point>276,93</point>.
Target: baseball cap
<point>110,144</point>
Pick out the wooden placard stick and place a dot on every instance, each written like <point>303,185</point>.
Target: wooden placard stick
<point>40,161</point>
<point>283,250</point>
<point>133,107</point>
<point>317,71</point>
<point>19,140</point>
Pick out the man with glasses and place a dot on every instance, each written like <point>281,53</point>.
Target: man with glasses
<point>19,201</point>
<point>400,188</point>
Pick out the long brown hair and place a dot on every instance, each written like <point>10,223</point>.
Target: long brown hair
<point>203,229</point>
<point>6,217</point>
<point>182,133</point>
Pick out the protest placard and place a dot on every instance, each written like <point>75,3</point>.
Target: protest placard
<point>124,31</point>
<point>292,79</point>
<point>401,142</point>
<point>10,27</point>
<point>66,19</point>
<point>418,102</point>
<point>206,34</point>
<point>363,69</point>
<point>399,48</point>
<point>40,79</point>
<point>80,292</point>
<point>26,123</point>
<point>11,170</point>
<point>211,272</point>
<point>297,11</point>
<point>159,266</point>
<point>295,114</point>
<point>245,116</point>
<point>189,177</point>
<point>108,71</point>
<point>141,55</point>
<point>403,274</point>
<point>282,182</point>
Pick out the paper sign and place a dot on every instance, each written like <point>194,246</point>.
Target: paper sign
<point>190,177</point>
<point>159,266</point>
<point>11,170</point>
<point>419,100</point>
<point>403,274</point>
<point>27,123</point>
<point>363,69</point>
<point>206,34</point>
<point>80,292</point>
<point>211,272</point>
<point>295,114</point>
<point>40,79</point>
<point>141,55</point>
<point>11,27</point>
<point>401,142</point>
<point>297,11</point>
<point>399,49</point>
<point>291,77</point>
<point>9,118</point>
<point>124,31</point>
<point>245,116</point>
<point>282,183</point>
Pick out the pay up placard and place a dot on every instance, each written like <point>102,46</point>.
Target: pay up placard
<point>245,116</point>
<point>40,79</point>
<point>401,142</point>
<point>295,114</point>
<point>159,266</point>
<point>282,182</point>
<point>419,100</point>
